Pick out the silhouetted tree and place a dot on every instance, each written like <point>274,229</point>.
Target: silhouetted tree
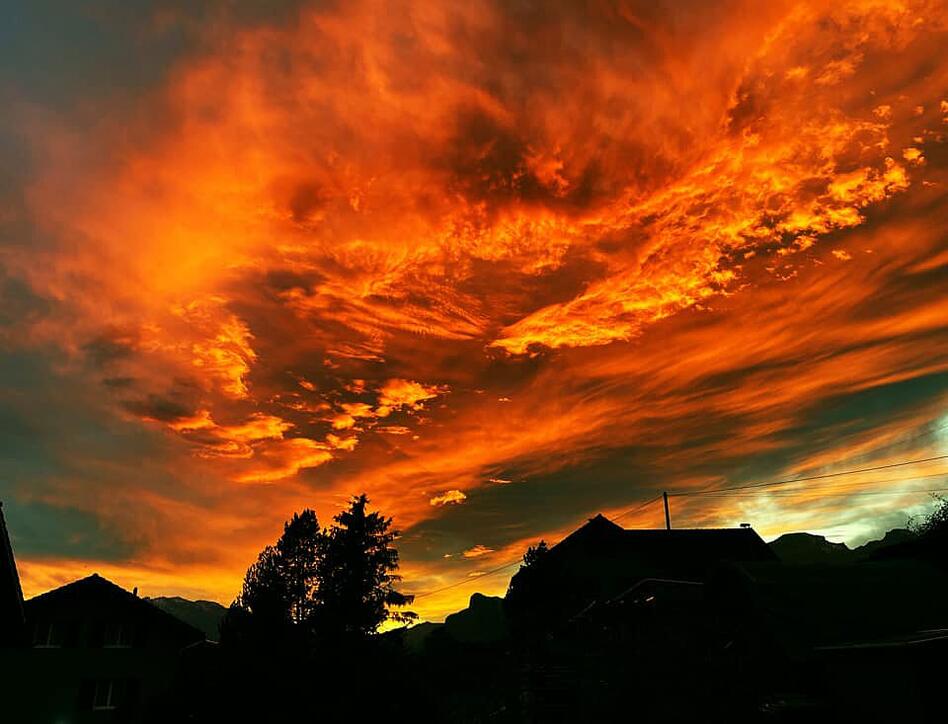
<point>259,617</point>
<point>935,522</point>
<point>279,589</point>
<point>357,575</point>
<point>530,587</point>
<point>298,552</point>
<point>340,581</point>
<point>316,586</point>
<point>264,593</point>
<point>531,557</point>
<point>534,553</point>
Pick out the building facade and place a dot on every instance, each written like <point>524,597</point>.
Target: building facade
<point>89,651</point>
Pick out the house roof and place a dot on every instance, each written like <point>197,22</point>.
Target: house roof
<point>680,549</point>
<point>97,588</point>
<point>601,559</point>
<point>11,595</point>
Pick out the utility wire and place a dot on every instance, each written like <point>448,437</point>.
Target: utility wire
<point>504,567</point>
<point>869,492</point>
<point>473,577</point>
<point>809,477</point>
<point>737,490</point>
<point>637,508</point>
<point>835,486</point>
<point>927,491</point>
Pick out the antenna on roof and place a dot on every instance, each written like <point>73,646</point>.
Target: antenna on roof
<point>668,520</point>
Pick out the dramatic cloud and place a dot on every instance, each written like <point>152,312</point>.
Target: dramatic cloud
<point>477,551</point>
<point>500,265</point>
<point>449,497</point>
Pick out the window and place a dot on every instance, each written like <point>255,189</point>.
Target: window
<point>118,636</point>
<point>109,694</point>
<point>47,635</point>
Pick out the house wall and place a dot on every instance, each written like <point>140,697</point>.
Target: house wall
<point>58,685</point>
<point>94,654</point>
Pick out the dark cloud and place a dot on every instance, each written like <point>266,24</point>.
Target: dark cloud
<point>118,382</point>
<point>162,409</point>
<point>532,503</point>
<point>20,307</point>
<point>110,347</point>
<point>62,54</point>
<point>45,531</point>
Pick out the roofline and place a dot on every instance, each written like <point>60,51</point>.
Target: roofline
<point>159,612</point>
<point>51,591</point>
<point>11,562</point>
<point>619,530</point>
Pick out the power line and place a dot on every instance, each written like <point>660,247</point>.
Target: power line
<point>928,491</point>
<point>467,579</point>
<point>871,492</point>
<point>738,490</point>
<point>824,491</point>
<point>810,477</point>
<point>637,508</point>
<point>505,566</point>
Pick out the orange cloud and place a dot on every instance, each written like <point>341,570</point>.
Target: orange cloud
<point>594,251</point>
<point>448,497</point>
<point>477,551</point>
<point>284,458</point>
<point>396,393</point>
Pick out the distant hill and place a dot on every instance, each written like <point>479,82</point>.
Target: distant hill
<point>896,536</point>
<point>204,615</point>
<point>483,622</point>
<point>414,638</point>
<point>811,548</point>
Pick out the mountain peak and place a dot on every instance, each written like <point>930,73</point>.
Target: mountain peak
<point>813,548</point>
<point>808,548</point>
<point>203,615</point>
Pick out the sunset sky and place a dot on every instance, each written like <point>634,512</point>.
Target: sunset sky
<point>500,264</point>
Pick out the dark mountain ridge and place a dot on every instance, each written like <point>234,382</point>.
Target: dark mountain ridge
<point>812,548</point>
<point>203,615</point>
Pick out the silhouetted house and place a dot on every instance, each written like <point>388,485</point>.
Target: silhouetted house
<point>608,611</point>
<point>11,595</point>
<point>601,560</point>
<point>865,640</point>
<point>650,638</point>
<point>95,653</point>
